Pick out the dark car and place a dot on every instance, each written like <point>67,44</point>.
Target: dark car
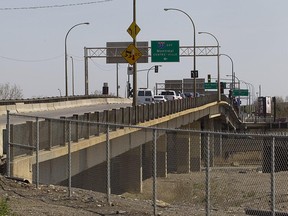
<point>188,94</point>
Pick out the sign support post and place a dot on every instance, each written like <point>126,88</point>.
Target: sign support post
<point>135,64</point>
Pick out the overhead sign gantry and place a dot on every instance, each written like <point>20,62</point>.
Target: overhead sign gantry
<point>113,54</point>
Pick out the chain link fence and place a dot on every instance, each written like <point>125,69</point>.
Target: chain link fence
<point>199,172</point>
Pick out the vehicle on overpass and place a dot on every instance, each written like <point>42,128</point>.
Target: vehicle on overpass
<point>159,98</point>
<point>171,95</point>
<point>145,96</point>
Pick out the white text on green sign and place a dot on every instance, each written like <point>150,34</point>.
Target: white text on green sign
<point>210,85</point>
<point>240,92</point>
<point>164,51</point>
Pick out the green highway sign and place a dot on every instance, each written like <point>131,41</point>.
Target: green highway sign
<point>210,85</point>
<point>164,51</point>
<point>240,92</point>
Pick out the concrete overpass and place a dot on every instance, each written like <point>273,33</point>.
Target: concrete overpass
<point>56,107</point>
<point>129,139</point>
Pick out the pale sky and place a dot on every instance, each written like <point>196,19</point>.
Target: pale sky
<point>253,33</point>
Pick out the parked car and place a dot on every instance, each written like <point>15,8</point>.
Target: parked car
<point>145,96</point>
<point>159,98</point>
<point>170,95</point>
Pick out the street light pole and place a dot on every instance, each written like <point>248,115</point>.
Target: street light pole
<point>233,74</point>
<point>238,102</point>
<point>249,94</point>
<point>194,44</point>
<point>66,73</point>
<point>218,63</point>
<point>147,81</point>
<point>72,75</point>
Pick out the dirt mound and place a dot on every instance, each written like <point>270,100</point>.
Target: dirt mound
<point>20,198</point>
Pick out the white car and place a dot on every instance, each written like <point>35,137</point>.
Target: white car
<point>170,95</point>
<point>159,98</point>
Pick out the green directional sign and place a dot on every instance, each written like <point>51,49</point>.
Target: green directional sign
<point>210,85</point>
<point>240,92</point>
<point>164,51</point>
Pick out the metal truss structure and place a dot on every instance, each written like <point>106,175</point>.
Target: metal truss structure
<point>185,51</point>
<point>104,52</point>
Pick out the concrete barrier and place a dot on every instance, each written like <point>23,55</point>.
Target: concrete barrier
<point>3,110</point>
<point>36,107</point>
<point>26,108</point>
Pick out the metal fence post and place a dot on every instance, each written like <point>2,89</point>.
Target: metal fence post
<point>273,176</point>
<point>108,165</point>
<point>8,144</point>
<point>154,156</point>
<point>37,152</point>
<point>69,161</point>
<point>208,175</point>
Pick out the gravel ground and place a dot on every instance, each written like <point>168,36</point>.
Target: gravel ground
<point>232,191</point>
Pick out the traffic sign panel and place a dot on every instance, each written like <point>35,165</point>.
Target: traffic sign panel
<point>165,51</point>
<point>240,92</point>
<point>210,85</point>
<point>133,30</point>
<point>131,54</point>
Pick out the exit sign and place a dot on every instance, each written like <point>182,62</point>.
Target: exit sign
<point>165,51</point>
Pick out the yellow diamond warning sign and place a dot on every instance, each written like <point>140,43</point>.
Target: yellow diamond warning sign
<point>131,54</point>
<point>133,30</point>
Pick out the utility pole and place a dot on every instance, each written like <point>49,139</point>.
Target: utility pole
<point>135,63</point>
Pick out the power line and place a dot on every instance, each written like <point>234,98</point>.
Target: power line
<point>99,66</point>
<point>37,60</point>
<point>55,6</point>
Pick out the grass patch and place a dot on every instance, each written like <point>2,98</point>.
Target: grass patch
<point>4,208</point>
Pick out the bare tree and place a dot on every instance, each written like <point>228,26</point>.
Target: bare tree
<point>8,91</point>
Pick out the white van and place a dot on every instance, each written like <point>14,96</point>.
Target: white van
<point>145,96</point>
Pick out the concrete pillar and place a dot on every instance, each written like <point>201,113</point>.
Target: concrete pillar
<point>183,152</point>
<point>208,125</point>
<point>178,152</point>
<point>195,147</point>
<point>147,160</point>
<point>126,172</point>
<point>162,156</point>
<point>217,139</point>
